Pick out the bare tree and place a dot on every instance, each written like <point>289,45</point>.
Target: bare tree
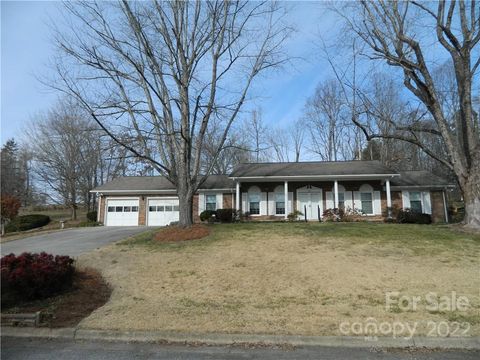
<point>388,29</point>
<point>326,115</point>
<point>297,133</point>
<point>236,149</point>
<point>64,150</point>
<point>161,71</point>
<point>257,133</point>
<point>279,144</point>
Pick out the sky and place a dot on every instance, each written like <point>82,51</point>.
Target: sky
<point>26,49</point>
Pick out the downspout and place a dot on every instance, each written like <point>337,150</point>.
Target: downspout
<point>445,206</point>
<point>99,200</point>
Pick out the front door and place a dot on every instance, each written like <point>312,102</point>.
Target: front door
<point>309,203</point>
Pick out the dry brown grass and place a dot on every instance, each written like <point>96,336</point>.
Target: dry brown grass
<point>285,278</point>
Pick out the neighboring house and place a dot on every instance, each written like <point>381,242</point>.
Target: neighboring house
<point>262,188</point>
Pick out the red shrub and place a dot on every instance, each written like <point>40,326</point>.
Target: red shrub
<point>9,207</point>
<point>35,276</point>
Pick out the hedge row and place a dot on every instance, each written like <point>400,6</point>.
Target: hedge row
<point>27,222</point>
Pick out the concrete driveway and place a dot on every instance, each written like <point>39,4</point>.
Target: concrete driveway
<point>72,242</point>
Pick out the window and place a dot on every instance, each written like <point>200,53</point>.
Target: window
<point>254,204</point>
<point>415,201</point>
<point>118,208</point>
<point>367,206</point>
<point>341,200</point>
<point>111,209</point>
<point>280,204</point>
<point>168,207</point>
<point>152,208</point>
<point>127,209</point>
<point>134,208</point>
<point>176,208</point>
<point>211,202</point>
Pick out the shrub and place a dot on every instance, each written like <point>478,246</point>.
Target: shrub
<point>9,207</point>
<point>34,276</point>
<point>410,217</point>
<point>333,214</point>
<point>294,215</point>
<point>226,215</point>
<point>207,215</point>
<point>92,216</point>
<point>245,216</point>
<point>27,222</point>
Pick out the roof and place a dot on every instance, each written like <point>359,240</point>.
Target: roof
<point>419,178</point>
<point>158,183</point>
<point>403,179</point>
<point>313,168</point>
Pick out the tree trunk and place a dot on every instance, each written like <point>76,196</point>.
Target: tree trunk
<point>185,199</point>
<point>471,198</point>
<point>74,212</point>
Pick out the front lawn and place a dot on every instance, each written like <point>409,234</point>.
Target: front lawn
<point>287,278</point>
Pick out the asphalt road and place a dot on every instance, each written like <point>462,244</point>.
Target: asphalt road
<point>22,348</point>
<point>72,242</point>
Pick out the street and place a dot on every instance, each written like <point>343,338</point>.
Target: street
<point>26,349</point>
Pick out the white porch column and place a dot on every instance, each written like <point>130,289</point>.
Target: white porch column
<point>237,197</point>
<point>286,199</point>
<point>335,194</point>
<point>389,199</point>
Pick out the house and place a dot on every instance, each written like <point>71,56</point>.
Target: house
<point>262,188</point>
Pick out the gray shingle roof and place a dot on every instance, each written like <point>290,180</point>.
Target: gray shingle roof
<point>314,168</point>
<point>156,183</point>
<point>419,178</point>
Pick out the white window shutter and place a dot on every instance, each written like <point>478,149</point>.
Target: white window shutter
<point>263,203</point>
<point>347,196</point>
<point>289,207</point>
<point>201,203</point>
<point>406,199</point>
<point>244,203</point>
<point>329,200</point>
<point>271,203</point>
<point>427,203</point>
<point>357,200</point>
<point>219,200</point>
<point>377,203</point>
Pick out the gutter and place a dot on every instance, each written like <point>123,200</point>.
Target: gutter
<point>170,191</point>
<point>279,177</point>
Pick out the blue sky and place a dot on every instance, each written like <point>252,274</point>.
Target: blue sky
<point>26,47</point>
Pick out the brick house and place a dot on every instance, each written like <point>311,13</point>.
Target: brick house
<point>261,189</point>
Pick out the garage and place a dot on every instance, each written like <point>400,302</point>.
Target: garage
<point>162,212</point>
<point>122,212</point>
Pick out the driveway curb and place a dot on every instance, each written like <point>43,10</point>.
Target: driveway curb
<point>472,343</point>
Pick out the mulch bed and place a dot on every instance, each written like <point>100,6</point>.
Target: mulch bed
<point>88,293</point>
<point>175,233</point>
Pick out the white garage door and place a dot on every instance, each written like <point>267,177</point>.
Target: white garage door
<point>162,212</point>
<point>122,213</point>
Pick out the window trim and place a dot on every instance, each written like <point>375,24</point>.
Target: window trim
<point>282,194</point>
<point>422,207</point>
<point>206,201</point>
<point>254,190</point>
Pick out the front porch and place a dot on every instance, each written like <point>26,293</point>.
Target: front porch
<point>265,200</point>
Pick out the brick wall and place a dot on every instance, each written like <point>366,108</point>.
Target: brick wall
<point>227,201</point>
<point>142,210</point>
<point>438,209</point>
<point>101,213</point>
